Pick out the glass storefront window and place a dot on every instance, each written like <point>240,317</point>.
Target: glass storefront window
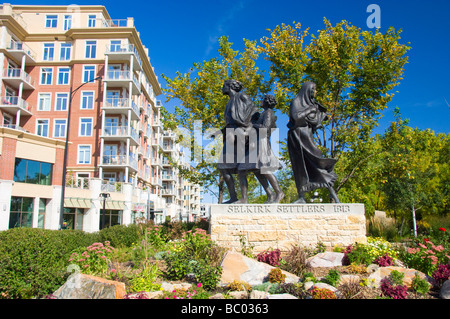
<point>21,213</point>
<point>112,217</point>
<point>73,218</point>
<point>41,215</point>
<point>33,172</point>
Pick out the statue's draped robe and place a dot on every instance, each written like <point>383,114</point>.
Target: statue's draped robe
<point>238,114</point>
<point>311,170</point>
<point>265,124</point>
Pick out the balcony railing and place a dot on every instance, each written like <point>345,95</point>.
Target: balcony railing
<point>14,127</point>
<point>122,76</point>
<point>19,46</point>
<point>121,103</point>
<point>124,48</point>
<point>114,23</point>
<point>18,74</point>
<point>116,160</point>
<point>168,176</point>
<point>110,186</point>
<point>168,191</point>
<point>15,101</point>
<point>77,182</point>
<point>121,131</point>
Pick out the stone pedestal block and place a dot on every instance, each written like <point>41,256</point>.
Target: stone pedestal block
<point>270,226</point>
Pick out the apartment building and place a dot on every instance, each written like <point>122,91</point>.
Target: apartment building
<point>56,58</point>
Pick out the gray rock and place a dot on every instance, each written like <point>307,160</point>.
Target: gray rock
<point>167,286</point>
<point>409,274</point>
<point>445,290</point>
<point>308,285</point>
<point>81,286</point>
<point>372,268</point>
<point>256,294</point>
<point>326,259</point>
<point>238,294</point>
<point>241,268</point>
<point>217,296</point>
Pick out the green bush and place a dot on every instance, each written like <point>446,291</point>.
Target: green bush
<point>120,235</point>
<point>33,262</point>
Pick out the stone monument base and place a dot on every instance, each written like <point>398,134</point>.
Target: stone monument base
<point>270,226</point>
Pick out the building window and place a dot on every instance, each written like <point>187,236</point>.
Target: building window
<point>41,214</point>
<point>91,21</point>
<point>73,218</point>
<point>60,128</point>
<point>65,52</point>
<point>112,217</point>
<point>84,154</point>
<point>115,45</point>
<point>42,128</point>
<point>85,127</point>
<point>51,21</point>
<point>63,76</point>
<point>32,172</point>
<point>46,76</point>
<point>21,213</point>
<point>88,73</point>
<point>67,22</point>
<point>49,52</point>
<point>61,101</point>
<point>91,48</point>
<point>87,100</point>
<point>44,100</point>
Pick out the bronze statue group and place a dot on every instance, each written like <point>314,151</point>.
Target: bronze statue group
<point>247,148</point>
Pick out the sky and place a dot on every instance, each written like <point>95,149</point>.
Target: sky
<point>179,33</point>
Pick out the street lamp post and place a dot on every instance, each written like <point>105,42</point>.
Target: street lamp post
<point>104,196</point>
<point>64,172</point>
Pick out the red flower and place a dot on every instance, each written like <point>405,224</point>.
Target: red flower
<point>426,240</point>
<point>441,228</point>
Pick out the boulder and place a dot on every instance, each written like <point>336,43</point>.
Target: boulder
<point>256,294</point>
<point>326,259</point>
<point>382,272</point>
<point>445,290</point>
<point>81,286</point>
<point>238,294</point>
<point>238,267</point>
<point>169,287</point>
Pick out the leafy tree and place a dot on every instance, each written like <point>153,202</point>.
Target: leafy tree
<point>415,170</point>
<point>355,72</point>
<point>200,93</point>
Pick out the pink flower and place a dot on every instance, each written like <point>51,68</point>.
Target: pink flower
<point>434,259</point>
<point>85,266</point>
<point>439,248</point>
<point>113,271</point>
<point>103,257</point>
<point>199,285</point>
<point>422,245</point>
